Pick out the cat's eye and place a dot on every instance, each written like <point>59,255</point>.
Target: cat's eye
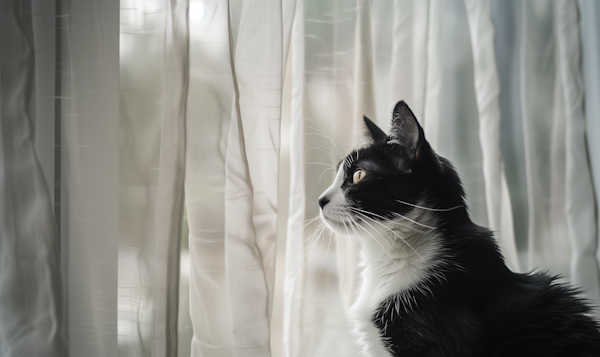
<point>358,175</point>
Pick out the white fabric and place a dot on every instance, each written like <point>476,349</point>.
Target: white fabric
<point>295,274</point>
<point>113,161</point>
<point>108,131</point>
<point>233,112</point>
<point>89,180</point>
<point>580,204</point>
<point>153,89</point>
<point>434,78</point>
<point>399,32</point>
<point>487,89</point>
<point>589,12</point>
<point>506,16</point>
<point>458,115</point>
<point>30,282</point>
<point>544,128</point>
<point>122,155</point>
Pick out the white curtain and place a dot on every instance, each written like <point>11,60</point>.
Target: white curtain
<point>233,119</point>
<point>30,285</point>
<point>161,159</point>
<point>91,219</point>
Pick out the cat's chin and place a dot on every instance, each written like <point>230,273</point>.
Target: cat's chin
<point>338,226</point>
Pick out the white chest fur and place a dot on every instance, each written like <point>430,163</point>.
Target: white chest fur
<point>397,256</point>
<point>361,315</point>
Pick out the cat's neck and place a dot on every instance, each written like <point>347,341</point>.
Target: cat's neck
<point>398,256</point>
<point>410,239</point>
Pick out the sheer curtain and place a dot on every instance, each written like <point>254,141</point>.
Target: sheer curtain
<point>161,159</point>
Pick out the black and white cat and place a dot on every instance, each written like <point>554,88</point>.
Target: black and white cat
<point>434,283</point>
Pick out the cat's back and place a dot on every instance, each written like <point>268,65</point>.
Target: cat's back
<point>542,317</point>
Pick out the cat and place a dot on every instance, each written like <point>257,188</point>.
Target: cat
<point>435,283</point>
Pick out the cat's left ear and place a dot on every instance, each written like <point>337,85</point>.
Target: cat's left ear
<point>376,133</point>
<point>406,131</point>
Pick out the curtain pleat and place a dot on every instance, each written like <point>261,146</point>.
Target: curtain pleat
<point>89,177</point>
<point>487,89</point>
<point>580,208</point>
<point>153,89</point>
<point>294,283</point>
<point>457,116</point>
<point>506,16</point>
<point>408,60</point>
<point>233,117</point>
<point>258,66</point>
<point>589,15</point>
<point>434,76</point>
<point>30,291</point>
<point>543,128</point>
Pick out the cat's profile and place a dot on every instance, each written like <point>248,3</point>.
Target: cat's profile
<point>434,283</point>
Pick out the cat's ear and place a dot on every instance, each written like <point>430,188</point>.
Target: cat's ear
<point>406,130</point>
<point>376,133</point>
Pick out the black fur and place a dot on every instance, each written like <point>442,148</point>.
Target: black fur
<point>479,307</point>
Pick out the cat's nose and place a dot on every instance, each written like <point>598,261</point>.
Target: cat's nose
<point>323,201</point>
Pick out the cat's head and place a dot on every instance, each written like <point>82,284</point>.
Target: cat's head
<point>396,178</point>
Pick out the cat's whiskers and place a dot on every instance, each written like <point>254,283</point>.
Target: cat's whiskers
<point>358,214</point>
<point>323,173</point>
<point>312,220</point>
<point>312,243</point>
<point>326,252</point>
<point>392,231</point>
<point>412,220</point>
<point>321,133</point>
<point>351,223</point>
<point>429,208</point>
<point>312,240</point>
<point>375,239</point>
<point>397,223</point>
<point>323,149</point>
<point>321,163</point>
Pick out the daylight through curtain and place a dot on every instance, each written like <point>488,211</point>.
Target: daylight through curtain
<point>160,160</point>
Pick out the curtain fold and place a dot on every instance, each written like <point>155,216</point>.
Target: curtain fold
<point>589,15</point>
<point>506,16</point>
<point>580,205</point>
<point>487,89</point>
<point>543,126</point>
<point>406,78</point>
<point>233,113</point>
<point>295,276</point>
<point>89,174</point>
<point>435,78</point>
<point>30,291</point>
<point>153,92</point>
<point>110,145</point>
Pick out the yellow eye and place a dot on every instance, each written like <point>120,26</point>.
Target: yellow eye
<point>358,175</point>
